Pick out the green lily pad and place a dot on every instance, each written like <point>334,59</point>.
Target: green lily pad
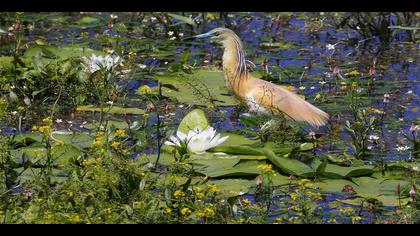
<point>113,110</point>
<point>195,119</point>
<point>290,166</point>
<point>243,168</point>
<point>201,88</point>
<point>339,172</point>
<point>50,52</point>
<point>233,187</point>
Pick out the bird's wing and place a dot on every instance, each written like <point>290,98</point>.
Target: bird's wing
<point>277,98</point>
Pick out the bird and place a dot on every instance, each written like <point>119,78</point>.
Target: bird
<point>259,95</point>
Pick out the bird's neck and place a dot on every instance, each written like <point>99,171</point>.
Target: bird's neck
<point>234,65</point>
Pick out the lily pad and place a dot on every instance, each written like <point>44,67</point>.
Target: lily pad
<point>113,110</point>
<point>195,119</point>
<point>338,172</point>
<point>233,187</point>
<point>201,88</point>
<point>290,166</point>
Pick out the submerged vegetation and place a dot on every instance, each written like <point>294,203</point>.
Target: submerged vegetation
<point>119,118</point>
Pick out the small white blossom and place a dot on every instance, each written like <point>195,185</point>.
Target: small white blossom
<point>181,34</point>
<point>153,18</point>
<point>302,87</point>
<point>14,112</point>
<point>166,63</point>
<point>373,137</point>
<point>170,33</point>
<point>142,66</point>
<point>409,92</point>
<point>322,82</point>
<point>402,148</point>
<point>113,16</point>
<point>312,88</point>
<point>58,121</point>
<point>95,63</point>
<point>330,47</point>
<point>172,38</point>
<point>12,87</point>
<point>110,102</point>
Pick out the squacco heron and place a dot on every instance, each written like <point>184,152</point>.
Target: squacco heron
<point>259,95</point>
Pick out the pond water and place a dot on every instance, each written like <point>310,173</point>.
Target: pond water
<point>298,56</point>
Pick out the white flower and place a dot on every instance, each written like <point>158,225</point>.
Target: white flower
<point>166,63</point>
<point>181,34</point>
<point>58,121</point>
<point>322,82</point>
<point>95,63</point>
<point>172,38</point>
<point>110,103</point>
<point>415,168</point>
<point>12,87</point>
<point>373,137</point>
<point>113,16</point>
<point>409,92</point>
<point>14,112</point>
<point>302,87</point>
<point>153,18</point>
<point>197,140</point>
<point>170,33</point>
<point>142,66</point>
<point>312,88</point>
<point>330,47</point>
<point>402,148</point>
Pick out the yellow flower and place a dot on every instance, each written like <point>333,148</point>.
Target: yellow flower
<point>213,188</point>
<point>344,87</point>
<point>185,211</point>
<point>293,196</point>
<point>59,142</point>
<point>34,128</point>
<point>46,129</point>
<point>266,168</point>
<point>245,202</point>
<point>84,34</point>
<point>142,174</point>
<point>75,218</point>
<point>145,90</point>
<point>354,85</point>
<point>47,120</point>
<point>206,212</point>
<point>86,162</point>
<point>200,195</point>
<point>179,193</point>
<point>346,210</point>
<point>21,108</point>
<point>355,219</point>
<point>115,144</point>
<point>108,211</point>
<point>97,143</point>
<point>48,215</point>
<point>167,210</point>
<point>120,133</point>
<point>352,73</point>
<point>290,88</point>
<point>332,221</point>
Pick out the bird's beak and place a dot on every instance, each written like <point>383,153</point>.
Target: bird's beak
<point>206,35</point>
<point>200,36</point>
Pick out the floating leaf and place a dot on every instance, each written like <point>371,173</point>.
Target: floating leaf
<point>113,110</point>
<point>290,166</point>
<point>183,19</point>
<point>195,119</point>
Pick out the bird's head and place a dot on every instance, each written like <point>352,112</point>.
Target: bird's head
<point>219,35</point>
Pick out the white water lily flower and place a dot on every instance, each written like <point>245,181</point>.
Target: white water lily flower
<point>197,140</point>
<point>95,63</point>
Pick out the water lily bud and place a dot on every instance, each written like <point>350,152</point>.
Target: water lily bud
<point>259,180</point>
<point>412,192</point>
